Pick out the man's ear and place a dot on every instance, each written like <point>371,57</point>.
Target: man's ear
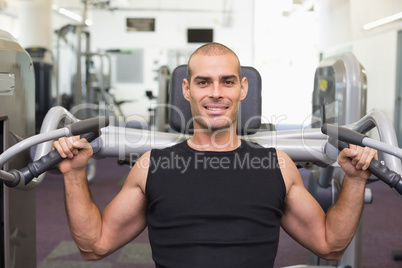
<point>186,89</point>
<point>244,88</point>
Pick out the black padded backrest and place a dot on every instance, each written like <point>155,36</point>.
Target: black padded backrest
<point>180,118</point>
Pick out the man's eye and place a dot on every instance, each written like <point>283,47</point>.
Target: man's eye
<point>228,82</point>
<point>202,83</point>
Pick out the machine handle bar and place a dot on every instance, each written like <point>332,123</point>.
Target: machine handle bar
<point>343,134</point>
<point>381,171</point>
<point>88,125</point>
<point>44,163</point>
<point>90,130</point>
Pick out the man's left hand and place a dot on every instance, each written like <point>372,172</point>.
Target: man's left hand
<point>355,160</point>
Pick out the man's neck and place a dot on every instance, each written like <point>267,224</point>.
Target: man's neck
<point>214,141</point>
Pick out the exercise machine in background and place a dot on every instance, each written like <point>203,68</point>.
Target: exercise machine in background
<point>42,60</point>
<point>159,111</point>
<point>308,145</point>
<point>17,123</point>
<point>339,97</point>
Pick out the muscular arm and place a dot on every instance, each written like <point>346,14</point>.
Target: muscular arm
<point>99,234</point>
<point>327,235</point>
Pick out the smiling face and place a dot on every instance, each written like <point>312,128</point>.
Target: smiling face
<point>215,91</point>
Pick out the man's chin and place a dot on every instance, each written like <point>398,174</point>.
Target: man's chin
<point>220,125</point>
<point>215,123</point>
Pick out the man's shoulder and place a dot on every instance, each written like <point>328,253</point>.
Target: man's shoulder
<point>169,149</point>
<point>250,145</point>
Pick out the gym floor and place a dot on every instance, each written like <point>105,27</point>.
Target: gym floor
<point>382,229</point>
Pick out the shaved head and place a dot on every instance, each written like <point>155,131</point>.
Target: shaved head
<point>212,49</point>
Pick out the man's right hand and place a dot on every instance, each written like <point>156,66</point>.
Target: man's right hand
<point>76,152</point>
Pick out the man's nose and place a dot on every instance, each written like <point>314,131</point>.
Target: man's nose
<point>216,91</point>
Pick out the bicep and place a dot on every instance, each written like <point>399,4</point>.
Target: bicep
<point>125,217</point>
<point>303,218</point>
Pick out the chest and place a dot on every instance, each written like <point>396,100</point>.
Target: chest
<point>215,186</point>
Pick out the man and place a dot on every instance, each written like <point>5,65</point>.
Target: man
<point>213,209</point>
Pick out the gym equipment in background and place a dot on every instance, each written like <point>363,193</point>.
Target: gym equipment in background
<point>17,122</point>
<point>43,68</point>
<point>339,97</point>
<point>304,146</point>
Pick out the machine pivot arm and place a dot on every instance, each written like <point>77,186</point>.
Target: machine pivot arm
<point>43,164</point>
<point>89,129</point>
<point>343,134</point>
<point>340,137</point>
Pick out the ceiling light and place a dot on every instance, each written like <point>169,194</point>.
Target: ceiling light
<point>382,21</point>
<point>70,14</point>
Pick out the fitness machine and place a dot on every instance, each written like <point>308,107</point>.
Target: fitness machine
<point>43,68</point>
<point>17,122</point>
<point>303,146</point>
<point>340,91</point>
<point>339,97</point>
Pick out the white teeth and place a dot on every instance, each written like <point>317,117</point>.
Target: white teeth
<point>215,109</point>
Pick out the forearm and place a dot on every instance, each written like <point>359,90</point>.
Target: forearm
<point>343,218</point>
<point>84,217</point>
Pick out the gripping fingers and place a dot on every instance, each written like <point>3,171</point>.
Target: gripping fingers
<point>65,147</point>
<point>363,158</point>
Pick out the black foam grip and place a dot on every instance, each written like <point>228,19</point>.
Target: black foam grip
<point>88,125</point>
<point>50,160</point>
<point>391,178</point>
<point>398,187</point>
<point>343,134</point>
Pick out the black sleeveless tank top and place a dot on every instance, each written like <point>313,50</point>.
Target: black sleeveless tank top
<point>214,209</point>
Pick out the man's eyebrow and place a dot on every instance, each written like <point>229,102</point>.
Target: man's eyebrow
<point>202,78</point>
<point>226,77</point>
